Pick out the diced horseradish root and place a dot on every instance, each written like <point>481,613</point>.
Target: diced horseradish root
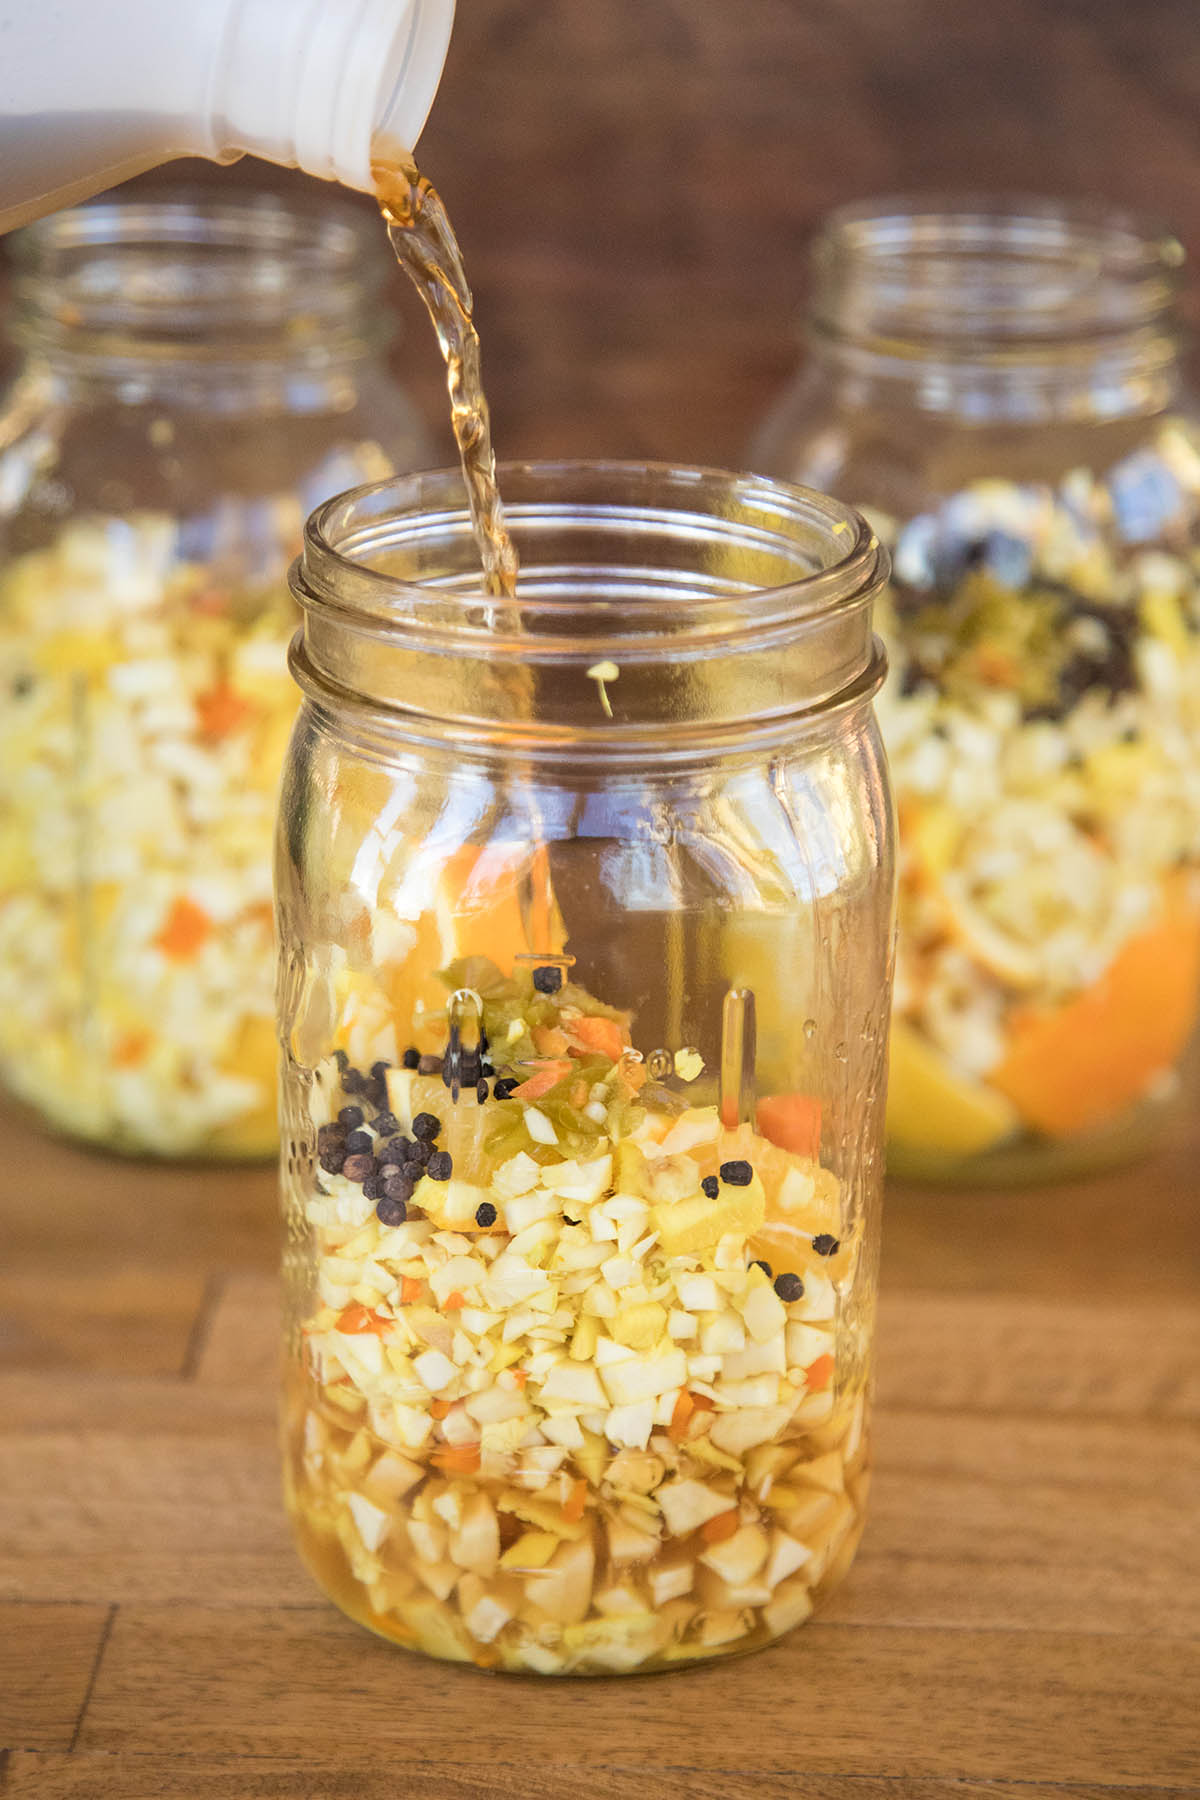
<point>533,1431</point>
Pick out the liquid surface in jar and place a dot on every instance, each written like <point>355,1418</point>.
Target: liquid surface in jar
<point>573,1394</point>
<point>426,248</point>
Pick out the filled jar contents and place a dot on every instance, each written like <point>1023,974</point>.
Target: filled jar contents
<point>998,388</point>
<point>147,707</point>
<point>570,1397</point>
<point>197,376</point>
<point>1041,719</point>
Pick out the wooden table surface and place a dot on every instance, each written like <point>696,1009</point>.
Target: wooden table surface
<point>1023,1618</point>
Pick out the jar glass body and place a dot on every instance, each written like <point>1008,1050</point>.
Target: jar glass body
<point>196,378</point>
<point>580,1288</point>
<point>1000,391</point>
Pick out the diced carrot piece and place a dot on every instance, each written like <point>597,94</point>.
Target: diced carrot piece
<point>410,1289</point>
<point>548,1040</point>
<point>454,1302</point>
<point>130,1049</point>
<point>439,1408</point>
<point>211,602</point>
<point>604,1036</point>
<point>792,1121</point>
<point>221,711</point>
<point>357,1319</point>
<point>539,1085</point>
<point>819,1373</point>
<point>715,1531</point>
<point>187,928</point>
<point>1080,1064</point>
<point>684,1407</point>
<point>520,1376</point>
<point>702,1403</point>
<point>574,1503</point>
<point>457,1459</point>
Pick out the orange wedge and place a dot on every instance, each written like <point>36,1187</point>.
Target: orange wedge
<point>1080,1064</point>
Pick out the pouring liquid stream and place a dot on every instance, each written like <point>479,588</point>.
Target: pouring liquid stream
<point>426,248</point>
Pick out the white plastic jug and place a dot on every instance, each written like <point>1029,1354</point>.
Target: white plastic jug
<point>93,91</point>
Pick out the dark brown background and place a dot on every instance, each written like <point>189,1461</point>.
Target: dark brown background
<point>634,181</point>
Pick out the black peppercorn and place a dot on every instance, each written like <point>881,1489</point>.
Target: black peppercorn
<point>426,1127</point>
<point>430,1065</point>
<point>357,1142</point>
<point>332,1158</point>
<point>737,1174</point>
<point>547,979</point>
<point>758,1263</point>
<point>485,1214</point>
<point>357,1168</point>
<point>505,1088</point>
<point>826,1245</point>
<point>441,1166</point>
<point>351,1117</point>
<point>710,1186</point>
<point>391,1210</point>
<point>411,1058</point>
<point>789,1287</point>
<point>481,1091</point>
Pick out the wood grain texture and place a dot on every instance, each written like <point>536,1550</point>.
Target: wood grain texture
<point>100,1775</point>
<point>116,1316</point>
<point>48,1657</point>
<point>1064,1707</point>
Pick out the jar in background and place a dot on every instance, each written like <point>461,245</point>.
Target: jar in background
<point>196,377</point>
<point>998,387</point>
<point>585,915</point>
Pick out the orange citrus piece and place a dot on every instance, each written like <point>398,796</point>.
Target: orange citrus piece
<point>1080,1064</point>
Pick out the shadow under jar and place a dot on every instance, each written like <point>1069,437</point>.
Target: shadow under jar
<point>585,914</point>
<point>998,386</point>
<point>196,377</point>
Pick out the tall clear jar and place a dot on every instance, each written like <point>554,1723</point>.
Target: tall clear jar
<point>585,919</point>
<point>998,386</point>
<point>196,377</point>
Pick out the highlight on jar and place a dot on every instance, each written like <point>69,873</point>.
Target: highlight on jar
<point>1041,721</point>
<point>583,1126</point>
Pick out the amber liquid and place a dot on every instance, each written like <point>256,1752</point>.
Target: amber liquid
<point>426,248</point>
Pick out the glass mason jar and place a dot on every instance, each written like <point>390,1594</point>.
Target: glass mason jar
<point>196,377</point>
<point>585,916</point>
<point>998,387</point>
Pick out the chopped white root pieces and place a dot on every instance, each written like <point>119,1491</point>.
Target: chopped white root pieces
<point>372,1521</point>
<point>686,1505</point>
<point>532,1406</point>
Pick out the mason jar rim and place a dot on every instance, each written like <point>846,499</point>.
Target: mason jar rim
<point>327,573</point>
<point>651,570</point>
<point>970,272</point>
